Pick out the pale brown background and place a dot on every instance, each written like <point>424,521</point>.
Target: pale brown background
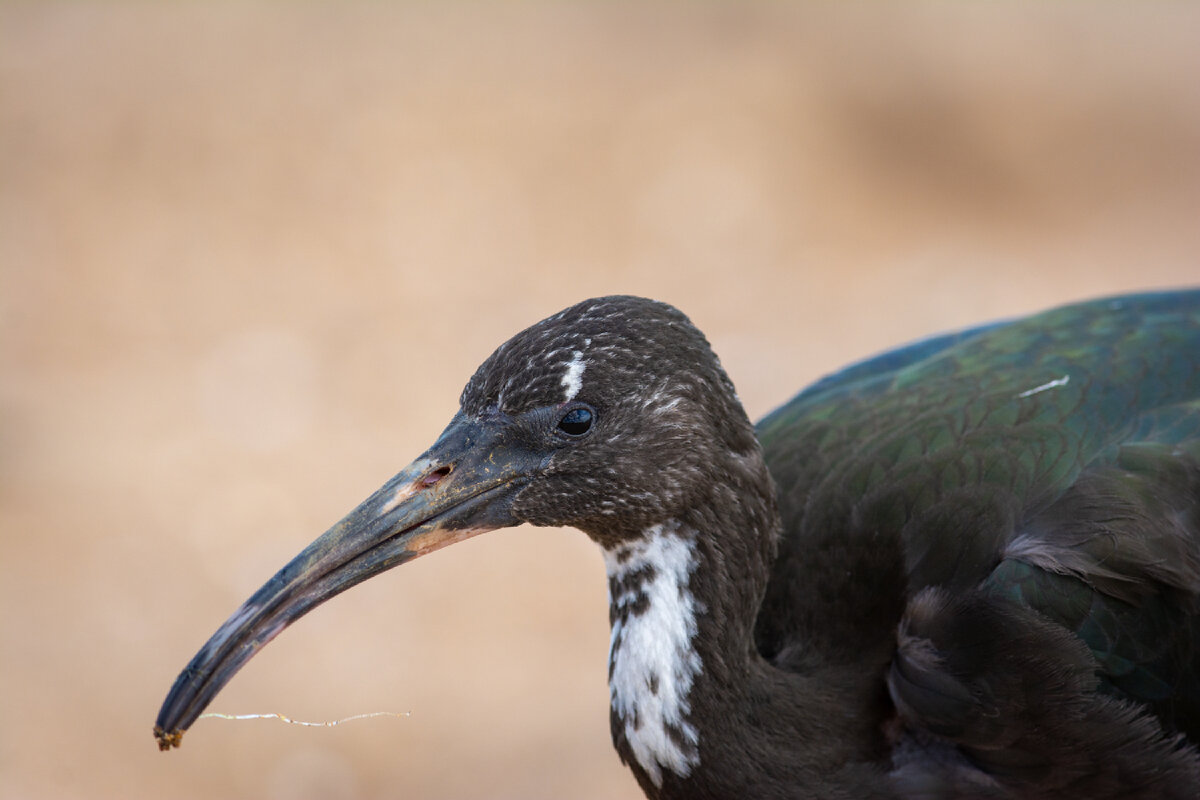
<point>250,253</point>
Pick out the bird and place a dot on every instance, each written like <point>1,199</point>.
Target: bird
<point>966,568</point>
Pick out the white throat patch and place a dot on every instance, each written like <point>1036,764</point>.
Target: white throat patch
<point>651,661</point>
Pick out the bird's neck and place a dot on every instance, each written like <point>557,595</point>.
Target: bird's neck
<point>654,654</point>
<point>683,597</point>
<point>690,693</point>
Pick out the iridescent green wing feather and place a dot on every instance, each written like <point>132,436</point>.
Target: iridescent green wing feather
<point>941,456</point>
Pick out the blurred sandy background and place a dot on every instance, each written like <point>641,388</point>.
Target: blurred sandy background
<point>249,254</point>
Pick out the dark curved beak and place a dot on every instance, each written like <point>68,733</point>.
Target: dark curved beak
<point>462,486</point>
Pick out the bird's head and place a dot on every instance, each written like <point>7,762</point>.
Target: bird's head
<point>616,409</point>
<point>610,416</point>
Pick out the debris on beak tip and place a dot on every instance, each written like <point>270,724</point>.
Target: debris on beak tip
<point>168,740</point>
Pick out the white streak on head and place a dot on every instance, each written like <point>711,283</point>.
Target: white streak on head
<point>572,380</point>
<point>651,658</point>
<point>1054,384</point>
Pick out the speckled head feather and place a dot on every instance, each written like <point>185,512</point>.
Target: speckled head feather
<point>665,412</point>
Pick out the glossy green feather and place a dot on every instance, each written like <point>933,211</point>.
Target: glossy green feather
<point>1051,462</point>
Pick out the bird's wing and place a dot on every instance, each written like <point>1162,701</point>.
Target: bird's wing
<point>1033,489</point>
<point>1116,560</point>
<point>1076,663</point>
<point>952,452</point>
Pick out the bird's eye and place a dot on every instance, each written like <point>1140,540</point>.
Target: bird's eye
<point>576,422</point>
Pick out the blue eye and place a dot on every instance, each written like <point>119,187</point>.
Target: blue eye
<point>576,422</point>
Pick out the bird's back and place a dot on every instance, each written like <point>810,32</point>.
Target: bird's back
<point>1039,473</point>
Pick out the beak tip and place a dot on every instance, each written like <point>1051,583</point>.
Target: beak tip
<point>168,740</point>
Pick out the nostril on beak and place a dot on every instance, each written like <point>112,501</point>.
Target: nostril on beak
<point>434,477</point>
